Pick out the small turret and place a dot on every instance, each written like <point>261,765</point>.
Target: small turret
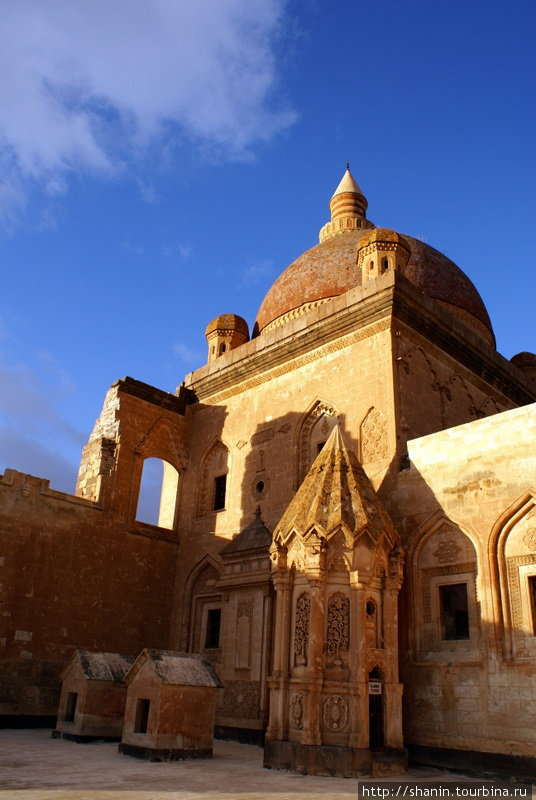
<point>382,250</point>
<point>348,207</point>
<point>225,333</point>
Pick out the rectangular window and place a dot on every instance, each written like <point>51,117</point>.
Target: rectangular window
<point>70,706</point>
<point>220,485</point>
<point>454,611</point>
<point>212,637</point>
<point>532,599</point>
<point>142,715</point>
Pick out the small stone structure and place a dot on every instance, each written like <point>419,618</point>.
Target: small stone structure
<point>93,695</point>
<point>171,706</point>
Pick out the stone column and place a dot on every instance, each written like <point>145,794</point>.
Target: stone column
<point>393,689</point>
<point>312,734</point>
<point>359,690</point>
<point>278,683</point>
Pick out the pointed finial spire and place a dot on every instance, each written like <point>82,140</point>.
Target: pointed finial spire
<point>348,207</point>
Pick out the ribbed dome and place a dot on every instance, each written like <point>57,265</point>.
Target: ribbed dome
<point>230,322</point>
<point>330,268</point>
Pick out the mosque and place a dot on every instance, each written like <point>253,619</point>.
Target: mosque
<point>346,529</point>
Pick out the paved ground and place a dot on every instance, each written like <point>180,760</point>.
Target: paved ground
<point>33,766</point>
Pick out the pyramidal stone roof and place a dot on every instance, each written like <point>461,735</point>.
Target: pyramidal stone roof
<point>336,493</point>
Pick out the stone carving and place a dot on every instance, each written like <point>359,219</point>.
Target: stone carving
<point>296,711</point>
<point>447,552</point>
<point>301,629</point>
<point>262,436</point>
<point>373,436</point>
<point>335,712</point>
<point>338,635</point>
<point>241,699</point>
<point>324,416</point>
<point>530,539</point>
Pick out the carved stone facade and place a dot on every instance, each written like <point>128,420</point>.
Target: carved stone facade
<point>368,423</point>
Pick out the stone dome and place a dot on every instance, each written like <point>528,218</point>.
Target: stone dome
<point>228,322</point>
<point>330,268</point>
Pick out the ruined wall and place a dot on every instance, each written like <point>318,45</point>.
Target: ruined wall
<point>81,571</point>
<point>466,510</point>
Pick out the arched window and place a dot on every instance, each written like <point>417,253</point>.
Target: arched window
<point>213,484</point>
<point>385,264</point>
<point>157,498</point>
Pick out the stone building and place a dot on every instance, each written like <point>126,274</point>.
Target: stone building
<point>346,527</point>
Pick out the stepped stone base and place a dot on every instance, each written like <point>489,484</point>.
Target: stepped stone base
<point>343,762</point>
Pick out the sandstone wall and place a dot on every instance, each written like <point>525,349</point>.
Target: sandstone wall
<point>466,511</point>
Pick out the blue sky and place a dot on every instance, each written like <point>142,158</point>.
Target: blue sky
<point>162,161</point>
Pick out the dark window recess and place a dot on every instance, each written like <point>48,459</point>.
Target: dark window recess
<point>454,611</point>
<point>532,596</point>
<point>385,265</point>
<point>220,485</point>
<point>142,715</point>
<point>70,706</point>
<point>212,638</point>
<point>371,608</point>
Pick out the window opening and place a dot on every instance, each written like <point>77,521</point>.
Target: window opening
<point>222,348</point>
<point>70,706</point>
<point>532,598</point>
<point>371,608</point>
<point>371,265</point>
<point>454,611</point>
<point>385,265</point>
<point>220,485</point>
<point>260,487</point>
<point>212,637</point>
<point>142,715</point>
<point>157,498</point>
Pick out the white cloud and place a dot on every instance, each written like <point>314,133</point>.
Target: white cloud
<point>188,355</point>
<point>86,84</point>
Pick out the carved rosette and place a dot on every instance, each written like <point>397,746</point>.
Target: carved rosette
<point>301,629</point>
<point>296,711</point>
<point>335,713</point>
<point>338,633</point>
<point>447,552</point>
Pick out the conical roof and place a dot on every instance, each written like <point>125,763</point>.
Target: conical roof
<point>348,184</point>
<point>336,493</point>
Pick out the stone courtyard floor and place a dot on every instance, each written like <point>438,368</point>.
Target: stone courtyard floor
<point>33,766</point>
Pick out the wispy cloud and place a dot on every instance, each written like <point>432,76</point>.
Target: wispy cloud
<point>257,273</point>
<point>188,355</point>
<point>86,85</point>
<point>34,435</point>
<point>182,250</point>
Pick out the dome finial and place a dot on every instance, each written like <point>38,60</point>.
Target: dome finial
<point>348,207</point>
